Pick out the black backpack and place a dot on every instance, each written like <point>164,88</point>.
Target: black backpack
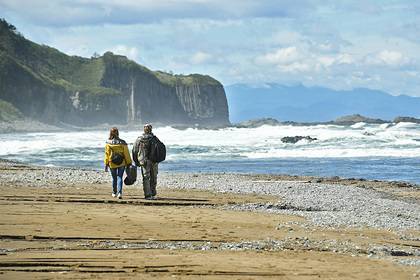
<point>131,172</point>
<point>116,158</point>
<point>157,151</point>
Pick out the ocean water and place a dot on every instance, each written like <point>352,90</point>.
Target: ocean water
<point>383,152</point>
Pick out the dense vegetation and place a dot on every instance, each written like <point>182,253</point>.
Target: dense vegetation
<point>73,73</point>
<point>8,112</point>
<point>49,86</point>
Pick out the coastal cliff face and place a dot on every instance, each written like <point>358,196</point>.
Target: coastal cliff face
<point>205,103</point>
<point>165,98</point>
<point>47,85</point>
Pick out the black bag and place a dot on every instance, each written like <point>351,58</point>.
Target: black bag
<point>116,158</point>
<point>157,150</point>
<point>131,172</point>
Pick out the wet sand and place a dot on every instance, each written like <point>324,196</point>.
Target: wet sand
<point>81,232</point>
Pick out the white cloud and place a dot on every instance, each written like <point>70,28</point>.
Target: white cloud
<point>280,56</point>
<point>387,57</point>
<point>245,40</point>
<point>295,67</point>
<point>326,60</point>
<point>345,58</point>
<point>130,52</point>
<point>390,57</point>
<point>200,57</point>
<point>285,37</point>
<point>341,58</point>
<point>97,12</point>
<point>304,59</point>
<point>326,47</point>
<point>413,73</point>
<point>361,76</point>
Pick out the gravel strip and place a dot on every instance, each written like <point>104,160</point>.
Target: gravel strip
<point>400,255</point>
<point>327,205</point>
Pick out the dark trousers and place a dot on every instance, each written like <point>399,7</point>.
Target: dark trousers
<point>149,172</point>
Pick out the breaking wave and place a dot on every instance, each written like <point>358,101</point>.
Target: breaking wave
<point>229,145</point>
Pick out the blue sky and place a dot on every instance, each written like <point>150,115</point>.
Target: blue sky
<point>336,44</point>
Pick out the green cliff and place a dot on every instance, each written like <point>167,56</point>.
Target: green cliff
<point>44,84</point>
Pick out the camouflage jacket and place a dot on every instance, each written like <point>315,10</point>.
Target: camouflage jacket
<point>141,148</point>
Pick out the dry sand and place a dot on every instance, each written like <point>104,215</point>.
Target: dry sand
<point>82,232</point>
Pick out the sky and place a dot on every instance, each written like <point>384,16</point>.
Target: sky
<point>336,44</point>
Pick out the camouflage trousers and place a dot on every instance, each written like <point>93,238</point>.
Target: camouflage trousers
<point>149,172</point>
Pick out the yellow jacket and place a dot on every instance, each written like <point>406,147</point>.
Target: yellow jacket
<point>116,146</point>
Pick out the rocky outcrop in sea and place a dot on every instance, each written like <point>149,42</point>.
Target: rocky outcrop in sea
<point>295,139</point>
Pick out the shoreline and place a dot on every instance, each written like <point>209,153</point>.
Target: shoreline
<point>263,184</point>
<point>374,183</point>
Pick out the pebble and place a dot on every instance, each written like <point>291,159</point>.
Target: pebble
<point>326,205</point>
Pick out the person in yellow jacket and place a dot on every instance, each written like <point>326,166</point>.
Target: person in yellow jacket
<point>117,158</point>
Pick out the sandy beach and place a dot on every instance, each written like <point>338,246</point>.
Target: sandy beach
<point>63,223</point>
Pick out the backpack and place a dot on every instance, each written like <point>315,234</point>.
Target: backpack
<point>131,172</point>
<point>157,152</point>
<point>116,158</point>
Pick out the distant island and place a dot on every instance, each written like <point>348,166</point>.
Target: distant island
<point>343,121</point>
<point>315,104</point>
<point>40,83</point>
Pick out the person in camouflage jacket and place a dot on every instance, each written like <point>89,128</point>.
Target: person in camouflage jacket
<point>149,169</point>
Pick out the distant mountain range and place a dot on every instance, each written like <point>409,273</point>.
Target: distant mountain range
<point>315,104</point>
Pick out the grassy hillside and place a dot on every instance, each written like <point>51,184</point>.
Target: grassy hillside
<point>8,112</point>
<point>89,73</point>
<point>74,73</point>
<point>71,73</point>
<point>50,86</point>
<point>186,80</point>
